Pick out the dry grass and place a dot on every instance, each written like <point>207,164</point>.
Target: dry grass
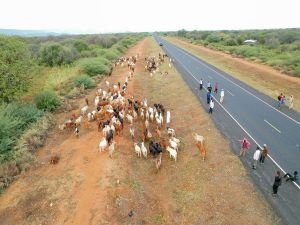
<point>263,78</point>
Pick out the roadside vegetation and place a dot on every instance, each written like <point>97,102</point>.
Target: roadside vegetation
<point>279,48</point>
<point>35,75</point>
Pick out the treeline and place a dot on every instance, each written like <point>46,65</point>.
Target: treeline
<point>279,48</point>
<point>26,65</point>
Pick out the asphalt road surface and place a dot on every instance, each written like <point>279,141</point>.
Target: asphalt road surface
<point>247,112</point>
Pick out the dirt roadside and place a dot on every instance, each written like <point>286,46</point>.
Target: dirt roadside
<point>87,187</point>
<point>261,77</point>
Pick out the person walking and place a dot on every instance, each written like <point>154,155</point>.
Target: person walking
<point>264,153</point>
<point>277,183</point>
<point>279,100</point>
<point>201,84</point>
<point>292,178</point>
<point>256,157</point>
<point>216,87</point>
<point>282,100</point>
<point>211,106</point>
<point>291,102</point>
<point>222,95</point>
<point>245,145</point>
<point>208,96</point>
<point>209,86</point>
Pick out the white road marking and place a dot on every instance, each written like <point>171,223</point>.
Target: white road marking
<point>241,126</point>
<point>240,87</point>
<point>273,126</point>
<point>230,93</point>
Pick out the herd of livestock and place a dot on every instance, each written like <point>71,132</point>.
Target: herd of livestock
<point>115,111</point>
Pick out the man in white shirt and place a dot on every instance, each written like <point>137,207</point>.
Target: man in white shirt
<point>256,157</point>
<point>222,95</point>
<point>211,106</point>
<point>201,84</point>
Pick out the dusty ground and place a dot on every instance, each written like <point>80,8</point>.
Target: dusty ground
<point>261,77</point>
<point>87,187</point>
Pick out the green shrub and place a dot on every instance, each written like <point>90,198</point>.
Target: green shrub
<point>84,80</point>
<point>47,101</point>
<point>297,71</point>
<point>25,147</point>
<point>94,66</point>
<point>111,55</point>
<point>14,118</point>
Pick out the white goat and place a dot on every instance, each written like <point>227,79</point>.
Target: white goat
<point>173,153</point>
<point>78,120</point>
<point>131,131</point>
<point>137,150</point>
<point>103,144</point>
<point>198,138</point>
<point>168,117</point>
<point>171,132</point>
<point>129,118</point>
<point>144,150</point>
<point>107,83</point>
<point>173,144</point>
<point>97,100</point>
<point>111,148</point>
<point>84,110</point>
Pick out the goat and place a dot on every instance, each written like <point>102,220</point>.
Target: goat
<point>78,121</point>
<point>158,161</point>
<point>137,150</point>
<point>107,83</point>
<point>202,150</point>
<point>131,130</point>
<point>103,144</point>
<point>54,159</point>
<point>198,138</point>
<point>144,150</point>
<point>157,131</point>
<point>171,132</point>
<point>109,136</point>
<point>173,153</point>
<point>173,144</point>
<point>84,110</point>
<point>146,123</point>
<point>129,118</point>
<point>168,117</point>
<point>90,116</point>
<point>111,148</point>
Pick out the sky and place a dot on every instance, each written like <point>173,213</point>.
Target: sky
<point>110,16</point>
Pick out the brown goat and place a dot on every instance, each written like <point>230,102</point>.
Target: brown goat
<point>201,149</point>
<point>54,159</point>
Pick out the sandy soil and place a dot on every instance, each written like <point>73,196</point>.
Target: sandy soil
<point>88,187</point>
<point>261,77</point>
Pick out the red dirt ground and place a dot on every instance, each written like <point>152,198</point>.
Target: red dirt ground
<point>88,187</point>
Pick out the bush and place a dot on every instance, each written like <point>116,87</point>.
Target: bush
<point>14,118</point>
<point>23,153</point>
<point>93,67</point>
<point>111,55</point>
<point>84,80</point>
<point>47,101</point>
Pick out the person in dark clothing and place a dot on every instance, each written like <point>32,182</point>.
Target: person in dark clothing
<point>292,178</point>
<point>263,155</point>
<point>277,183</point>
<point>208,96</point>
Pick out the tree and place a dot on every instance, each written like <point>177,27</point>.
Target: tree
<point>53,55</point>
<point>80,45</point>
<point>14,65</point>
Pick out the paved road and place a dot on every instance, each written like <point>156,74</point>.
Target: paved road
<point>247,112</point>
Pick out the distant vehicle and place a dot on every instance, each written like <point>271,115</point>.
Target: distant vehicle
<point>160,44</point>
